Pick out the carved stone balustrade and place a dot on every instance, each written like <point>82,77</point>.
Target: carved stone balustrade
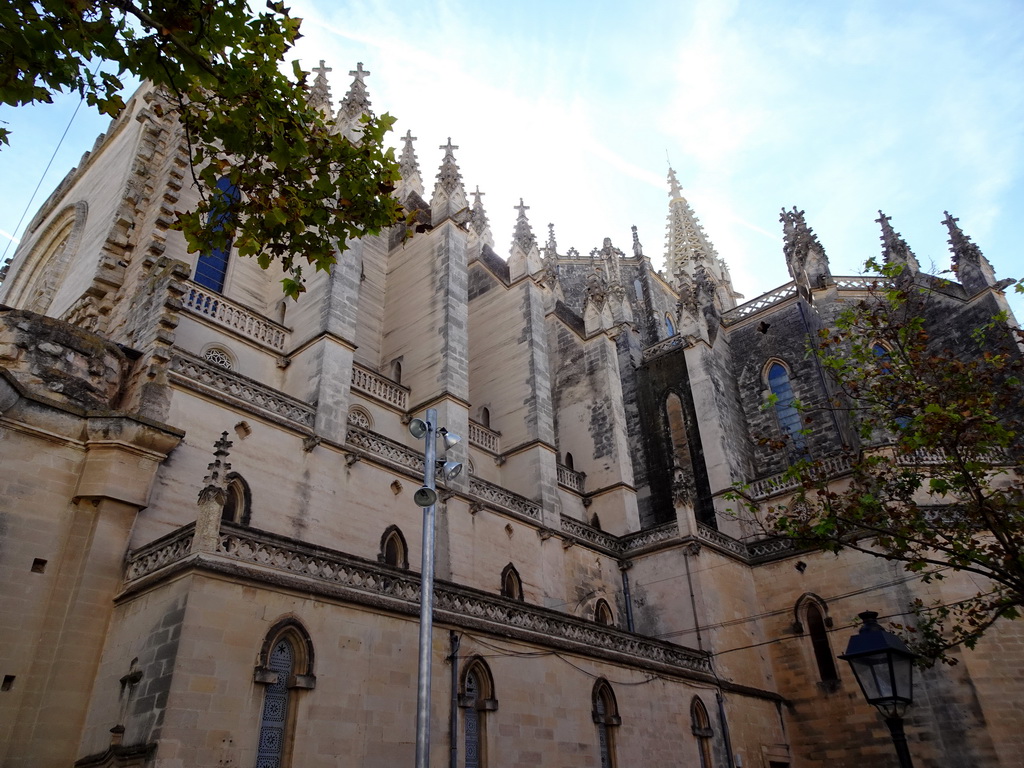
<point>379,387</point>
<point>482,437</point>
<point>212,306</point>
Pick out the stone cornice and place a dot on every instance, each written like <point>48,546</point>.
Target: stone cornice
<point>290,564</point>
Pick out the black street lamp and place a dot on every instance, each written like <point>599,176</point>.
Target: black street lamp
<point>884,667</point>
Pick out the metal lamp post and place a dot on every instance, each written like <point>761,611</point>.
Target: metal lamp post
<point>426,497</point>
<point>884,668</point>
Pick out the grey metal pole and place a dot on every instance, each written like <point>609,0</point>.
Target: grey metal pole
<point>426,599</point>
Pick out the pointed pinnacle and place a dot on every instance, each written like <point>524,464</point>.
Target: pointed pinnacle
<point>674,189</point>
<point>523,234</point>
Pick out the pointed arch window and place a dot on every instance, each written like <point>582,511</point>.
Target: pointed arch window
<point>812,618</point>
<point>477,698</point>
<point>700,726</point>
<point>603,613</point>
<point>212,267</point>
<point>670,328</point>
<point>606,717</point>
<point>785,406</point>
<point>393,549</point>
<point>285,667</point>
<point>238,501</point>
<point>511,583</point>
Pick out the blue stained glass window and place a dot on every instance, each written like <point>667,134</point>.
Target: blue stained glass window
<point>785,408</point>
<point>212,267</point>
<point>270,749</point>
<point>472,721</point>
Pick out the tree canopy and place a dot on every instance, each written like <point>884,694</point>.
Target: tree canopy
<point>935,481</point>
<point>302,187</point>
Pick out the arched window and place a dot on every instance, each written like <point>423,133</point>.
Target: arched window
<point>285,666</point>
<point>670,328</point>
<point>606,717</point>
<point>238,501</point>
<point>785,406</point>
<point>212,267</point>
<point>219,357</point>
<point>485,417</point>
<point>700,726</point>
<point>603,613</point>
<point>393,549</point>
<point>39,277</point>
<point>396,371</point>
<point>569,462</point>
<point>476,700</point>
<point>812,618</point>
<point>511,584</point>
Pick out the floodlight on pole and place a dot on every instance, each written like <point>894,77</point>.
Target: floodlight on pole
<point>426,497</point>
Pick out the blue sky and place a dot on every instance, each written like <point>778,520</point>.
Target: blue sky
<point>839,108</point>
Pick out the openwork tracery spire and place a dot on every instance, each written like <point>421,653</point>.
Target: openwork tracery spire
<point>479,226</point>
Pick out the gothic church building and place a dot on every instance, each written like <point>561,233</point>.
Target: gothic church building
<point>209,547</point>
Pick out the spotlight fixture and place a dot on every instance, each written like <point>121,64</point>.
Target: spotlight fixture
<point>450,438</point>
<point>451,469</point>
<point>418,428</point>
<point>425,497</point>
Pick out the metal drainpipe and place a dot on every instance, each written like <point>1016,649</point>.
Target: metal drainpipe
<point>624,567</point>
<point>693,597</point>
<point>454,713</point>
<point>725,729</point>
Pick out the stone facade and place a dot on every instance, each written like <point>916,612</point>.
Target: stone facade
<point>596,602</point>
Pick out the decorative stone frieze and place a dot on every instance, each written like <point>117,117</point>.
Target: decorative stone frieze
<point>276,560</point>
<point>207,378</point>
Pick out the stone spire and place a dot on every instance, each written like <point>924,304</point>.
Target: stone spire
<point>524,258</point>
<point>970,266</point>
<point>895,249</point>
<point>212,498</point>
<point>551,247</point>
<point>449,198</point>
<point>687,246</point>
<point>409,167</point>
<point>320,93</point>
<point>355,104</point>
<point>638,250</point>
<point>479,226</point>
<point>805,257</point>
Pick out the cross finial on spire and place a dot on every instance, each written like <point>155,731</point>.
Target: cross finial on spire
<point>320,93</point>
<point>477,194</point>
<point>894,247</point>
<point>523,234</point>
<point>449,147</point>
<point>552,245</point>
<point>970,266</point>
<point>521,208</point>
<point>358,73</point>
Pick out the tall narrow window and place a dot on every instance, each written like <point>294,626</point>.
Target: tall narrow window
<point>485,416</point>
<point>606,717</point>
<point>569,461</point>
<point>511,584</point>
<point>818,632</point>
<point>274,721</point>
<point>700,726</point>
<point>670,328</point>
<point>476,701</point>
<point>285,666</point>
<point>785,406</point>
<point>212,267</point>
